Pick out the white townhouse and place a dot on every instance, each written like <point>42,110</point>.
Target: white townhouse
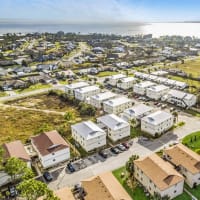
<point>156,92</point>
<point>84,93</point>
<point>113,80</point>
<point>157,123</point>
<point>140,88</point>
<point>117,105</point>
<point>136,112</point>
<point>98,99</point>
<point>16,149</point>
<point>186,161</point>
<point>180,99</point>
<point>116,127</point>
<point>126,83</point>
<point>51,148</point>
<point>88,135</point>
<point>158,176</point>
<point>69,89</point>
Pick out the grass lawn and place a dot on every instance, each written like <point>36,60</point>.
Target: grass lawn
<point>136,132</point>
<point>183,196</point>
<point>21,124</point>
<point>137,194</point>
<point>190,67</point>
<point>191,142</point>
<point>106,73</point>
<point>3,94</point>
<point>194,191</point>
<point>34,87</point>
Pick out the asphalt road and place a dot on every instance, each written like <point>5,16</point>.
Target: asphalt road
<point>141,148</point>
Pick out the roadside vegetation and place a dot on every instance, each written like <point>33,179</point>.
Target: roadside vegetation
<point>106,73</point>
<point>193,141</point>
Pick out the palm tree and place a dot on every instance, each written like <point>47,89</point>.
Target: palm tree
<point>69,116</point>
<point>175,114</point>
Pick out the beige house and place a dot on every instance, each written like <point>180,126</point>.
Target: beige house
<point>186,162</point>
<point>126,83</point>
<point>158,176</point>
<point>16,149</point>
<point>104,187</point>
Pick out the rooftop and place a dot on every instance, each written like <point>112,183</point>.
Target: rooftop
<point>104,95</point>
<point>113,121</point>
<point>77,85</point>
<point>117,101</point>
<point>145,84</point>
<point>157,117</point>
<point>160,172</point>
<point>127,79</point>
<point>158,88</point>
<point>181,155</point>
<point>117,76</point>
<point>49,142</point>
<point>88,129</point>
<point>87,89</point>
<point>104,187</point>
<point>16,149</point>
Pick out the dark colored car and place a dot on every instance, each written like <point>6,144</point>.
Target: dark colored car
<point>126,145</point>
<point>114,150</point>
<point>121,147</point>
<point>47,176</point>
<point>13,191</point>
<point>103,154</point>
<point>70,167</point>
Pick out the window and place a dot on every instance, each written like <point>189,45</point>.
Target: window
<point>174,191</point>
<point>54,160</point>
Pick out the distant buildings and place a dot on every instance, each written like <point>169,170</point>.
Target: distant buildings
<point>69,89</point>
<point>85,92</point>
<point>98,99</point>
<point>158,176</point>
<point>126,83</point>
<point>51,148</point>
<point>157,123</point>
<point>186,162</point>
<point>156,92</point>
<point>113,80</point>
<point>88,135</point>
<point>115,127</point>
<point>180,98</point>
<point>140,88</point>
<point>117,105</point>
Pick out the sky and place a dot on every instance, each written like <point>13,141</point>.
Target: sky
<point>100,11</point>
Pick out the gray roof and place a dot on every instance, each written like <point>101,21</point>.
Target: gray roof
<point>158,88</point>
<point>157,117</point>
<point>113,121</point>
<point>138,110</point>
<point>104,95</point>
<point>88,130</point>
<point>87,89</point>
<point>77,85</point>
<point>178,94</point>
<point>117,101</point>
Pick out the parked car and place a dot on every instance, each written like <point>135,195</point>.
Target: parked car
<point>126,145</point>
<point>103,154</point>
<point>163,106</point>
<point>48,176</point>
<point>12,190</point>
<point>114,150</point>
<point>121,147</point>
<point>70,167</point>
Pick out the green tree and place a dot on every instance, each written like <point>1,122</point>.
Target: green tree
<point>1,157</point>
<point>33,189</point>
<point>17,169</point>
<point>175,114</point>
<point>69,116</point>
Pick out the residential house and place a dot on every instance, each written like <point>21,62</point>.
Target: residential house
<point>88,135</point>
<point>98,99</point>
<point>84,93</point>
<point>117,105</point>
<point>156,92</point>
<point>116,127</point>
<point>136,112</point>
<point>181,99</point>
<point>157,123</point>
<point>51,148</point>
<point>16,149</point>
<point>69,89</point>
<point>126,83</point>
<point>47,67</point>
<point>13,84</point>
<point>186,162</point>
<point>113,80</point>
<point>158,176</point>
<point>104,187</point>
<point>140,88</point>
